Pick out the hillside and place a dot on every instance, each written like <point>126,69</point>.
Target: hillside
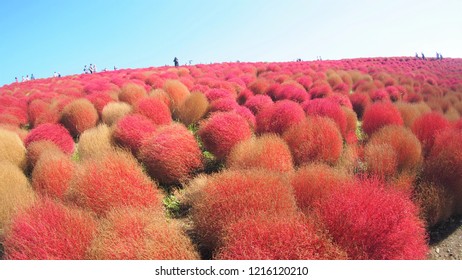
<point>346,159</point>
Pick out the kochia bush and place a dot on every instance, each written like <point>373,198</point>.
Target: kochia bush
<point>171,154</point>
<point>49,230</point>
<point>55,133</point>
<point>221,131</point>
<point>379,115</point>
<point>371,221</point>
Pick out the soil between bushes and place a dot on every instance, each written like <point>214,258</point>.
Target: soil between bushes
<point>446,240</point>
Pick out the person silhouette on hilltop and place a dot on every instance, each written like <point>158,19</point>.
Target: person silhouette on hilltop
<point>175,61</point>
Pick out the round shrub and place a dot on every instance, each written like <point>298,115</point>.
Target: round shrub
<point>177,92</point>
<point>379,115</point>
<point>409,112</point>
<point>257,102</point>
<point>314,139</point>
<point>171,154</point>
<point>230,195</point>
<point>95,142</point>
<point>140,234</point>
<point>78,116</point>
<point>114,180</point>
<point>315,182</point>
<point>114,111</point>
<point>131,92</point>
<point>444,164</point>
<point>370,221</point>
<point>381,160</point>
<point>279,117</point>
<point>131,130</point>
<point>435,202</point>
<point>154,109</point>
<point>268,151</point>
<point>15,192</point>
<point>427,127</point>
<point>193,108</point>
<point>37,148</point>
<point>49,230</point>
<point>221,131</point>
<point>55,133</point>
<point>52,174</point>
<point>327,108</point>
<point>276,238</point>
<point>12,148</point>
<point>406,146</point>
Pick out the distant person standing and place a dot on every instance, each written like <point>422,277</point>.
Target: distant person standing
<point>55,74</point>
<point>85,69</point>
<point>16,79</point>
<point>423,56</point>
<point>417,56</point>
<point>175,61</point>
<point>115,68</point>
<point>32,77</point>
<point>90,68</point>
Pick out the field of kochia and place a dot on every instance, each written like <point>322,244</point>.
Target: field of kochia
<point>349,159</point>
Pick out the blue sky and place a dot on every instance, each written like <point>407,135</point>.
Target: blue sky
<point>41,37</point>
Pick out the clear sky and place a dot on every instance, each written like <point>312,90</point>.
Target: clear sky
<point>44,36</point>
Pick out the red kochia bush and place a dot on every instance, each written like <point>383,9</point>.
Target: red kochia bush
<point>379,115</point>
<point>371,221</point>
<point>171,154</point>
<point>140,234</point>
<point>52,174</point>
<point>221,131</point>
<point>230,195</point>
<point>276,238</point>
<point>49,230</point>
<point>113,180</point>
<point>78,116</point>
<point>131,130</point>
<point>327,108</point>
<point>268,151</point>
<point>314,139</point>
<point>278,117</point>
<point>314,182</point>
<point>55,133</point>
<point>154,109</point>
<point>427,127</point>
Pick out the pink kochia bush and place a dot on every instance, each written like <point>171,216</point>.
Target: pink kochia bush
<point>379,115</point>
<point>221,131</point>
<point>48,230</point>
<point>171,153</point>
<point>55,133</point>
<point>279,117</point>
<point>370,221</point>
<point>131,130</point>
<point>277,238</point>
<point>114,180</point>
<point>314,139</point>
